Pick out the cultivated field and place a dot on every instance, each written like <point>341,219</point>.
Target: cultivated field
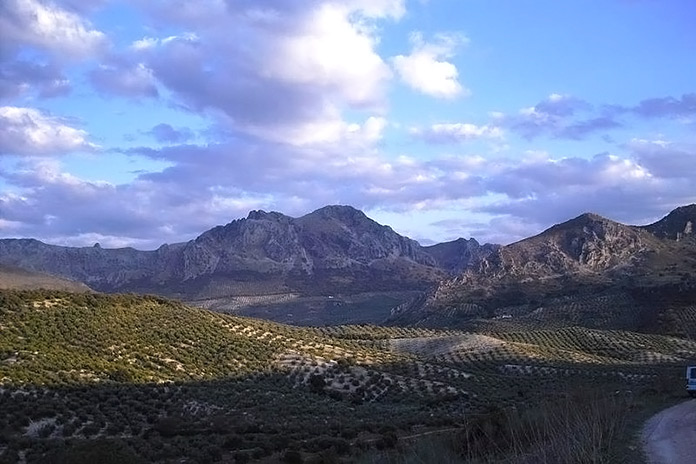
<point>88,377</point>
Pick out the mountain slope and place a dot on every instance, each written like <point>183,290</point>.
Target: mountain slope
<point>571,262</point>
<point>680,223</point>
<point>19,279</point>
<point>461,254</point>
<point>334,249</point>
<point>586,244</point>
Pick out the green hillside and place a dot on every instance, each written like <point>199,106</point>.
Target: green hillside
<point>140,378</point>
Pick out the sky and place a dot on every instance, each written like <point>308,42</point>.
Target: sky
<point>143,122</point>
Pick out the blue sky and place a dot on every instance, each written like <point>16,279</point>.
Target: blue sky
<point>135,123</point>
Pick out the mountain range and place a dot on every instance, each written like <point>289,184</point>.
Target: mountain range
<point>331,250</point>
<point>338,250</point>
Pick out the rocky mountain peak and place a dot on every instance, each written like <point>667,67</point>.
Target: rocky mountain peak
<point>588,243</point>
<point>342,213</point>
<point>470,242</point>
<point>460,254</point>
<point>584,220</point>
<point>261,215</point>
<point>678,224</point>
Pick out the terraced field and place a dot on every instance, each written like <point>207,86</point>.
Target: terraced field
<point>681,320</point>
<point>149,379</point>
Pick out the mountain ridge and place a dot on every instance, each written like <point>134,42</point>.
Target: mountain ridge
<point>580,258</point>
<point>338,250</point>
<point>336,247</point>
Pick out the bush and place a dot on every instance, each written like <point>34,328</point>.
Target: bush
<point>293,457</point>
<point>317,383</point>
<point>387,440</point>
<point>97,451</point>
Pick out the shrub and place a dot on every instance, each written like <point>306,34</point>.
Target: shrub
<point>293,457</point>
<point>317,383</point>
<point>96,451</point>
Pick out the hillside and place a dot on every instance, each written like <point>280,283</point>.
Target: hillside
<point>334,249</point>
<point>677,225</point>
<point>551,274</point>
<point>588,244</point>
<point>336,265</point>
<point>461,254</point>
<point>150,380</point>
<point>20,279</point>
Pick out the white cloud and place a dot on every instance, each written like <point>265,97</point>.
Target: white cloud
<point>28,131</point>
<point>282,72</point>
<point>149,43</point>
<point>212,184</point>
<point>135,80</point>
<point>394,9</point>
<point>664,158</point>
<point>456,132</point>
<point>373,128</point>
<point>47,26</point>
<point>145,43</point>
<point>428,68</point>
<point>332,50</point>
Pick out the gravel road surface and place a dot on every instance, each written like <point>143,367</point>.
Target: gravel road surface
<point>669,437</point>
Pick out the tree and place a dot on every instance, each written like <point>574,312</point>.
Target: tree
<point>317,383</point>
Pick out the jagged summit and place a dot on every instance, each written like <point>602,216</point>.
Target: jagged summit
<point>460,254</point>
<point>679,223</point>
<point>337,210</point>
<point>343,214</point>
<point>590,217</point>
<point>339,246</point>
<point>583,220</point>
<point>260,214</point>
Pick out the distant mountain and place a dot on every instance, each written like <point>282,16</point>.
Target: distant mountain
<point>101,269</point>
<point>272,261</point>
<point>461,254</point>
<point>580,258</point>
<point>586,244</point>
<point>680,223</point>
<point>333,249</point>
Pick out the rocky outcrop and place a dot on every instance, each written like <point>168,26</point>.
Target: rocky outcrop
<point>584,255</point>
<point>587,244</point>
<point>677,225</point>
<point>341,236</point>
<point>460,255</point>
<point>335,245</point>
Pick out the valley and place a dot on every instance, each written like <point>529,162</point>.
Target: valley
<point>330,338</point>
<point>147,379</point>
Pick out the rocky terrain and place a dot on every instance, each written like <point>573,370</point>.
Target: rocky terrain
<point>460,255</point>
<point>336,249</point>
<point>585,257</point>
<point>310,268</point>
<point>677,225</point>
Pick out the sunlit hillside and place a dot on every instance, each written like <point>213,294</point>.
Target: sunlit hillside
<point>147,378</point>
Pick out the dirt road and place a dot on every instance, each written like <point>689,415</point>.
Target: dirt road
<point>670,436</point>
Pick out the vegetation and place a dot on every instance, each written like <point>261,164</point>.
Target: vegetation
<point>125,378</point>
